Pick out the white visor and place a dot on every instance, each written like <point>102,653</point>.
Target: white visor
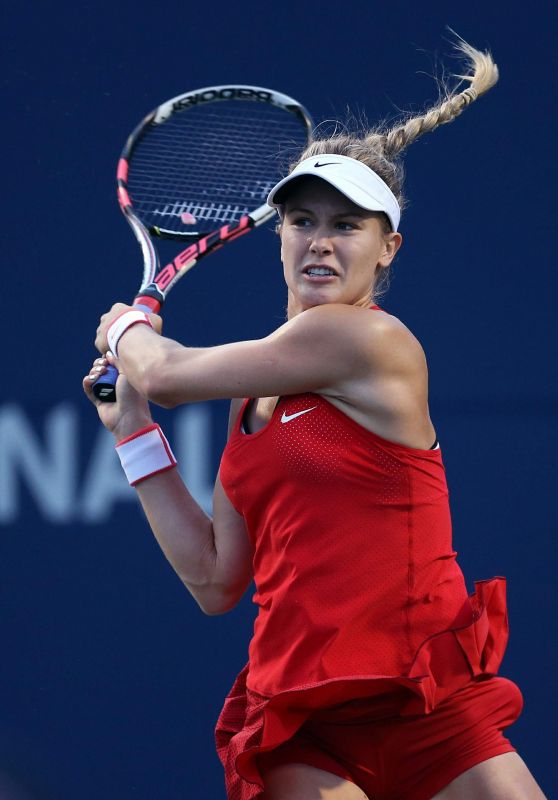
<point>350,177</point>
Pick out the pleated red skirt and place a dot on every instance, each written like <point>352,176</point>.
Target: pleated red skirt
<point>445,715</point>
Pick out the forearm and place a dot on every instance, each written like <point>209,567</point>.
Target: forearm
<point>168,373</point>
<point>213,558</point>
<point>142,356</point>
<point>182,529</point>
<point>184,533</point>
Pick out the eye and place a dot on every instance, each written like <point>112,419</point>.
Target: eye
<point>301,222</point>
<point>346,226</point>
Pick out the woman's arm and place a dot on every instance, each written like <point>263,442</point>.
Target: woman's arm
<point>212,557</point>
<point>327,349</point>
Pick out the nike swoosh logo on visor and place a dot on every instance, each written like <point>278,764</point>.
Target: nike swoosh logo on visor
<point>326,163</point>
<point>289,417</point>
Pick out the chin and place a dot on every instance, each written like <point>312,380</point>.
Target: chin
<point>319,301</point>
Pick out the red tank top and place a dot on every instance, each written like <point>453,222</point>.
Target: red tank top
<point>354,566</point>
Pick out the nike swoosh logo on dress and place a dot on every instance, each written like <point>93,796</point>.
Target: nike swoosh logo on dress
<point>289,417</point>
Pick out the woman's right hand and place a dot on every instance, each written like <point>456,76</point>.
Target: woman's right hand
<point>128,414</point>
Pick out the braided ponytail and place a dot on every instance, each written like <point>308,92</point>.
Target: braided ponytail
<point>381,148</point>
<point>482,77</point>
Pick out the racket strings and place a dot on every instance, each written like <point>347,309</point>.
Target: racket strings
<point>211,164</point>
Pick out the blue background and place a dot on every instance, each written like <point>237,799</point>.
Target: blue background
<point>110,676</point>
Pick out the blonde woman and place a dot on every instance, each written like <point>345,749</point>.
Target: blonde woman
<point>372,672</point>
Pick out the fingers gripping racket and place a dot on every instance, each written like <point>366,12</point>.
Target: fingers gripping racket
<point>197,170</point>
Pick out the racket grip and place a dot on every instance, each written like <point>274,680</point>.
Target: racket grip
<point>104,387</point>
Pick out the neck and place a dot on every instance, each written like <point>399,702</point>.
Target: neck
<point>294,307</point>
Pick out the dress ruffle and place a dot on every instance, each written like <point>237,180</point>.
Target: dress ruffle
<point>251,723</point>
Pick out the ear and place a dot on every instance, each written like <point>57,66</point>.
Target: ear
<point>278,230</point>
<point>392,243</point>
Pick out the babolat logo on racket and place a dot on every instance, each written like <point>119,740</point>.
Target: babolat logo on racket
<point>226,93</point>
<point>210,95</point>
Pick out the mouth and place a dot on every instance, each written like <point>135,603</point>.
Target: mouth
<point>319,271</point>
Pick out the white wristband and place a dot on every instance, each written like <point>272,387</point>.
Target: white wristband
<point>145,453</point>
<point>121,324</point>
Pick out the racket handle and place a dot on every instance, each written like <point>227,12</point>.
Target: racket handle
<point>104,387</point>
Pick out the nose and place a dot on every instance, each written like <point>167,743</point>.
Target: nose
<point>320,242</point>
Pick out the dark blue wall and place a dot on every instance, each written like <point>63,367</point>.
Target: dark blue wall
<point>110,678</point>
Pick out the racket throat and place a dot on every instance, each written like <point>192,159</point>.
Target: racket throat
<point>151,297</point>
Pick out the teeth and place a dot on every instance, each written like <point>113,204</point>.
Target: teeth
<point>320,271</point>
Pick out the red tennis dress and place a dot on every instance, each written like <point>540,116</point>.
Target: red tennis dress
<point>360,599</point>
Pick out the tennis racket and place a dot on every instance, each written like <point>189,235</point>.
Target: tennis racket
<point>197,170</point>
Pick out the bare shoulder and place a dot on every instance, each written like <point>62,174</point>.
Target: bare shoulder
<point>377,335</point>
<point>385,385</point>
<point>393,337</point>
<point>352,319</point>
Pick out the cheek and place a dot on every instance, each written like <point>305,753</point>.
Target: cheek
<point>365,261</point>
<point>289,249</point>
<point>369,256</point>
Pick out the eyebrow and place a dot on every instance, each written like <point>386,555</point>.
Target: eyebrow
<point>299,209</point>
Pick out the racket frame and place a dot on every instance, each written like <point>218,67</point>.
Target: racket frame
<point>156,282</point>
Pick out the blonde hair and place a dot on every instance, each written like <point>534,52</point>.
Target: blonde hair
<point>381,147</point>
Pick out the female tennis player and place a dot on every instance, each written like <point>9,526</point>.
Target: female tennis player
<point>372,673</point>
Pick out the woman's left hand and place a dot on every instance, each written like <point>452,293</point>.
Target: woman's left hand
<point>131,410</point>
